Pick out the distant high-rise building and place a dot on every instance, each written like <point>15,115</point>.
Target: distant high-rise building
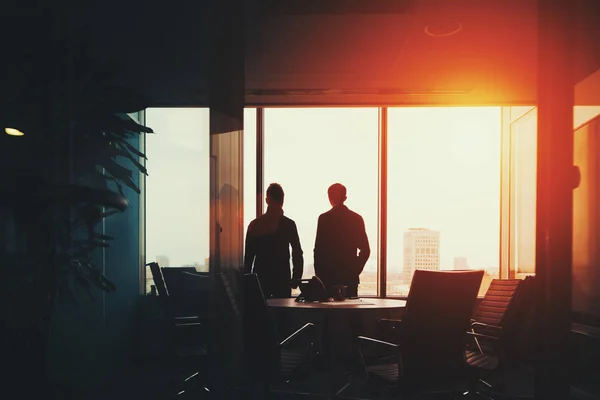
<point>421,250</point>
<point>163,261</point>
<point>460,263</point>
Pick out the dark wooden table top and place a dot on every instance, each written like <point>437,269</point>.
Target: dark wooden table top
<point>362,303</point>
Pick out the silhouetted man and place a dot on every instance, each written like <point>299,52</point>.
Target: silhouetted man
<point>340,234</point>
<point>268,243</point>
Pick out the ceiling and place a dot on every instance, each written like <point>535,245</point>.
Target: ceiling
<point>317,52</point>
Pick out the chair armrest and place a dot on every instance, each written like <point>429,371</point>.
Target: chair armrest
<point>393,322</point>
<point>193,318</point>
<point>389,328</point>
<point>482,336</point>
<point>487,326</point>
<point>196,275</point>
<point>309,327</point>
<point>377,341</point>
<point>188,324</point>
<point>188,318</point>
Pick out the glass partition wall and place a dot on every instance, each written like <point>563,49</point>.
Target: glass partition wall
<point>519,165</point>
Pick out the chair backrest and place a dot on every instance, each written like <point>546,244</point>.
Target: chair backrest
<point>437,314</point>
<point>175,279</point>
<point>497,307</point>
<point>519,325</point>
<point>496,303</point>
<point>159,281</point>
<point>226,344</point>
<point>261,349</point>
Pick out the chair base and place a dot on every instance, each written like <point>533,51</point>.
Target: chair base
<point>293,393</point>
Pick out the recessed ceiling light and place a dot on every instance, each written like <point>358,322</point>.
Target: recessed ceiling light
<point>13,132</point>
<point>443,29</point>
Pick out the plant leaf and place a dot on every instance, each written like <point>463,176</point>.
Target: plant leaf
<point>110,122</point>
<point>133,160</point>
<point>134,150</point>
<point>109,213</point>
<point>119,186</point>
<point>103,237</point>
<point>85,285</point>
<point>127,182</point>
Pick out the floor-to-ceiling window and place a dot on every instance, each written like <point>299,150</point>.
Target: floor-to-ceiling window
<point>443,192</point>
<point>523,187</point>
<point>443,184</point>
<point>177,188</point>
<point>306,151</point>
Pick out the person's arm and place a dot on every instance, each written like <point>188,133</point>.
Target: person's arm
<point>363,245</point>
<point>297,257</point>
<point>250,250</point>
<point>319,248</point>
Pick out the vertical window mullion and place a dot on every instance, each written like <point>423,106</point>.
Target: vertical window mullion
<point>382,217</point>
<point>260,162</point>
<point>142,208</point>
<point>506,194</point>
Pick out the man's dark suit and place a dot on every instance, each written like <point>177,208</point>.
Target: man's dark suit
<point>340,233</point>
<point>268,242</point>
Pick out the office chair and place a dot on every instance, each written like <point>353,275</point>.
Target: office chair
<point>492,316</point>
<point>501,336</point>
<point>187,302</point>
<point>427,356</point>
<point>266,358</point>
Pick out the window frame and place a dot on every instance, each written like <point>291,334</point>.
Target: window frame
<point>508,117</point>
<point>382,162</point>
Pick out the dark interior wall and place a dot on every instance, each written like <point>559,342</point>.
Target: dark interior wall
<point>122,266</point>
<point>95,338</point>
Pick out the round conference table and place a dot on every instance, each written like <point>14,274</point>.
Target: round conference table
<point>325,314</point>
<point>366,303</point>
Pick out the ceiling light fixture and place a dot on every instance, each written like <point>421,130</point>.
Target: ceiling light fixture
<point>443,29</point>
<point>13,132</point>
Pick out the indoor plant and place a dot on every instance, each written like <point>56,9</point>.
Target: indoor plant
<point>55,189</point>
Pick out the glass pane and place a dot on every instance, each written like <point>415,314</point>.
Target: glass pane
<point>586,220</point>
<point>249,166</point>
<point>583,114</point>
<point>517,112</point>
<point>524,186</point>
<point>443,192</point>
<point>306,151</point>
<point>177,185</point>
<point>227,206</point>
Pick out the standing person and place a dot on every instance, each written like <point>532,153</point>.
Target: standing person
<point>268,242</point>
<point>341,246</point>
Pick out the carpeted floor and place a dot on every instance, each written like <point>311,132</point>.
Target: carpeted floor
<point>164,381</point>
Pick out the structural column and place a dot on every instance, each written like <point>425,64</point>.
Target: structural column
<point>226,100</point>
<point>226,58</point>
<point>554,223</point>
